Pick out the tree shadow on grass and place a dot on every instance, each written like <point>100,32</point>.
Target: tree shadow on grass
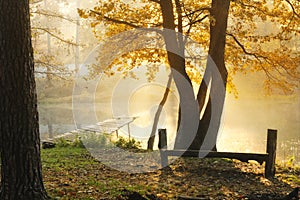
<point>222,179</point>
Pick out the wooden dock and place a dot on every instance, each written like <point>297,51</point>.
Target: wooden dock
<point>110,126</point>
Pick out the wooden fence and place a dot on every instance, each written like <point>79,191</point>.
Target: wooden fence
<point>268,157</point>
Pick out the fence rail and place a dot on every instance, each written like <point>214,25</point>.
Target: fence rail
<point>268,157</point>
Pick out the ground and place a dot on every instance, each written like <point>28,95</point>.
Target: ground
<point>72,173</point>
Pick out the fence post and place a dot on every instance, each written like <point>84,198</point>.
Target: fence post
<point>162,146</point>
<point>271,151</point>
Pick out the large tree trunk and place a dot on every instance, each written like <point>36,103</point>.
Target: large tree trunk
<point>216,74</point>
<point>21,174</point>
<point>189,113</point>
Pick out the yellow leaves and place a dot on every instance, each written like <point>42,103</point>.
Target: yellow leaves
<point>94,24</point>
<point>230,87</point>
<point>109,6</point>
<point>82,13</point>
<point>194,74</point>
<point>113,29</point>
<point>258,26</point>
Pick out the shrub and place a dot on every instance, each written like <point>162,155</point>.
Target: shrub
<point>62,142</point>
<point>128,143</point>
<point>93,140</point>
<point>77,142</point>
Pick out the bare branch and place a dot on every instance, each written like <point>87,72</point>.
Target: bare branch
<point>199,20</point>
<point>55,36</point>
<point>57,72</point>
<point>53,73</point>
<point>193,20</point>
<point>198,10</point>
<point>58,75</point>
<point>42,12</point>
<point>193,23</point>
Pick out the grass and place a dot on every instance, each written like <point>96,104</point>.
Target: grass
<point>71,173</point>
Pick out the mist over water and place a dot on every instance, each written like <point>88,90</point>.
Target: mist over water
<point>246,119</point>
<point>244,124</point>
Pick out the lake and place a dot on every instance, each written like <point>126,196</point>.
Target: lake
<point>244,124</point>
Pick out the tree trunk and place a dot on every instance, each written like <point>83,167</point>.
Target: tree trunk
<point>21,174</point>
<point>175,52</point>
<point>157,114</point>
<point>216,72</point>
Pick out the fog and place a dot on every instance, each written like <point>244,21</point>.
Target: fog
<point>244,123</point>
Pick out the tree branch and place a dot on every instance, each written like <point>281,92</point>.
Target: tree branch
<point>53,73</point>
<point>179,13</point>
<point>155,1</point>
<point>129,23</point>
<point>192,20</point>
<point>198,10</point>
<point>60,73</point>
<point>121,22</point>
<point>55,36</point>
<point>199,20</point>
<point>42,12</point>
<point>275,64</point>
<point>244,49</point>
<point>117,21</point>
<point>192,23</point>
<point>293,8</point>
<point>255,7</point>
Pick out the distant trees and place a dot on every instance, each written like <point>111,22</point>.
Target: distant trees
<point>258,36</point>
<point>51,45</point>
<point>21,172</point>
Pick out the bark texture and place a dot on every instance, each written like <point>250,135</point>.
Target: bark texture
<point>176,58</point>
<point>216,73</point>
<point>21,174</point>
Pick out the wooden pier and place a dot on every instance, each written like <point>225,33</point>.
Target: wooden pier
<point>110,126</point>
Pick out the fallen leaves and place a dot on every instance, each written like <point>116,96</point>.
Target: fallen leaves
<point>70,173</point>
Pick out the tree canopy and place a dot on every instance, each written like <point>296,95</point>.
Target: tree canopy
<point>237,36</point>
<point>260,36</point>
